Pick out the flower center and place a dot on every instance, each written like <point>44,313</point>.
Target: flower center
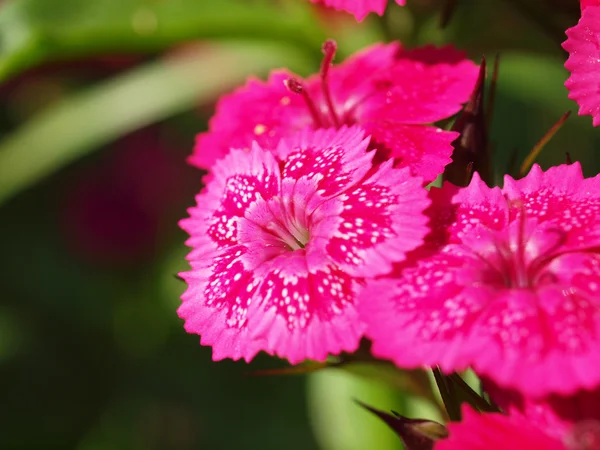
<point>285,225</point>
<point>293,234</point>
<point>519,257</point>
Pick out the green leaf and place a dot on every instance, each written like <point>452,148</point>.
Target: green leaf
<point>415,382</point>
<point>338,424</point>
<point>78,124</point>
<point>34,31</point>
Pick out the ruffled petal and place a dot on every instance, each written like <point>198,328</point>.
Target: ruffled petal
<point>424,150</point>
<point>359,8</point>
<point>258,111</point>
<point>584,63</point>
<point>381,221</point>
<point>495,432</point>
<point>425,85</point>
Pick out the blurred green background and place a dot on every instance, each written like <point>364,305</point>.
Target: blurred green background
<point>101,100</point>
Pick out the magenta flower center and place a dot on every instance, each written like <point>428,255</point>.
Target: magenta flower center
<point>289,230</point>
<point>276,226</point>
<point>520,257</point>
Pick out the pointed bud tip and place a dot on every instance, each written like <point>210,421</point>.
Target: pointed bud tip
<point>416,434</point>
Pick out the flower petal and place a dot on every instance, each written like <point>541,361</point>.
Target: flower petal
<point>337,157</point>
<point>495,432</point>
<point>216,302</point>
<point>424,150</point>
<point>381,221</point>
<point>258,111</point>
<point>584,63</point>
<point>306,314</point>
<point>359,8</point>
<point>425,85</point>
<point>562,196</point>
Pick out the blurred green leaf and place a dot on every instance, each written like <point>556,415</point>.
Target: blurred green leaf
<point>339,424</point>
<point>81,123</point>
<point>531,86</point>
<point>415,382</point>
<point>34,31</point>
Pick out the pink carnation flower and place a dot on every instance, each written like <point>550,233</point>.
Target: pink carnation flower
<point>557,416</point>
<point>389,92</point>
<point>508,283</point>
<point>497,432</point>
<point>359,8</point>
<point>282,239</point>
<point>584,61</point>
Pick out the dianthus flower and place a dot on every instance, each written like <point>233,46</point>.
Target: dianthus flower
<point>389,92</point>
<point>500,432</point>
<point>507,283</point>
<point>556,415</point>
<point>283,237</point>
<point>584,60</point>
<point>359,8</point>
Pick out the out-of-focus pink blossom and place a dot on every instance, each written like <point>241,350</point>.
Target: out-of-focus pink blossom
<point>496,432</point>
<point>556,415</point>
<point>114,212</point>
<point>359,8</point>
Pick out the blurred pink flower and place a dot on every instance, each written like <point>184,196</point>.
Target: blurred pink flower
<point>114,212</point>
<point>359,8</point>
<point>556,415</point>
<point>584,61</point>
<point>496,432</point>
<point>388,91</point>
<point>507,283</point>
<point>282,237</point>
<point>586,3</point>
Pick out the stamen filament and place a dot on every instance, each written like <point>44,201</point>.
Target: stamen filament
<point>288,238</point>
<point>521,269</point>
<point>329,49</point>
<point>297,87</point>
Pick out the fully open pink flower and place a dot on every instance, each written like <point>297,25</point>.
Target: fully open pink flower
<point>508,284</point>
<point>496,432</point>
<point>359,8</point>
<point>584,60</point>
<point>282,239</point>
<point>390,92</point>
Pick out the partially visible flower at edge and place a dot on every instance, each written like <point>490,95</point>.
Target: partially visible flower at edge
<point>390,92</point>
<point>584,61</point>
<point>556,415</point>
<point>507,284</point>
<point>282,238</point>
<point>496,432</point>
<point>359,8</point>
